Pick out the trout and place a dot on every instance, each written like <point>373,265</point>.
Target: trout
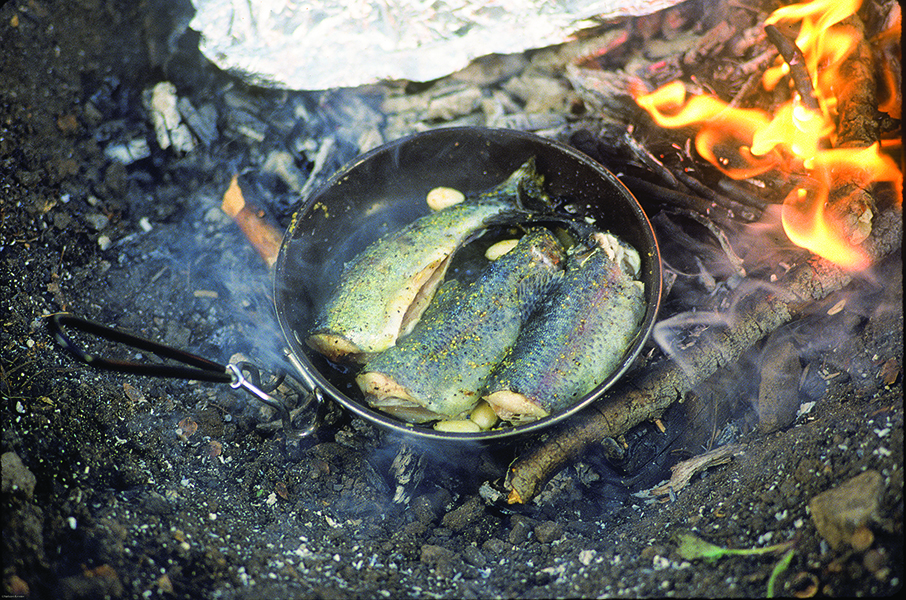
<point>386,288</point>
<point>438,370</point>
<point>577,338</point>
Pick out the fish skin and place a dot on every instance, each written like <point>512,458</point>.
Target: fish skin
<point>439,369</point>
<point>576,338</point>
<point>386,288</point>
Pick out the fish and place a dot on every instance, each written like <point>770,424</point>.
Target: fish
<point>385,289</point>
<point>438,370</point>
<point>577,337</point>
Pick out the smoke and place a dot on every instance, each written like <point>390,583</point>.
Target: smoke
<point>825,345</point>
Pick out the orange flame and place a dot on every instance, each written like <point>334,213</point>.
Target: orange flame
<point>744,143</point>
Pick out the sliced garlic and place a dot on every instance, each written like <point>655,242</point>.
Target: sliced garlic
<point>484,416</point>
<point>458,426</point>
<point>499,249</point>
<point>441,197</point>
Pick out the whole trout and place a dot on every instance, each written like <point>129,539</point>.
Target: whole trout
<point>578,336</point>
<point>438,370</point>
<point>385,289</point>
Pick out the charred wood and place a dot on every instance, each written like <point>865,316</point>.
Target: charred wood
<point>654,196</point>
<point>745,213</point>
<point>721,237</point>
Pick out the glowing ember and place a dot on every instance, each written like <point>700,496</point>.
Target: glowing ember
<point>799,137</point>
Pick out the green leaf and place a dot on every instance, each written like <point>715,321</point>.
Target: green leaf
<point>693,548</point>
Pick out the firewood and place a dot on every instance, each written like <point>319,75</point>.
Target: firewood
<point>851,201</point>
<point>648,396</point>
<point>745,213</point>
<point>263,236</point>
<point>653,197</point>
<point>682,473</point>
<point>796,61</point>
<point>858,123</point>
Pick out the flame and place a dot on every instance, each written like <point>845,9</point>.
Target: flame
<point>798,137</point>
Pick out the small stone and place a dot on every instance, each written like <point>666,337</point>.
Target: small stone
<point>474,556</point>
<point>17,479</point>
<point>778,391</point>
<point>862,539</point>
<point>495,546</point>
<point>840,511</point>
<point>460,517</point>
<point>436,556</point>
<point>97,220</point>
<point>423,509</point>
<point>519,533</point>
<point>548,532</point>
<point>156,504</point>
<point>875,561</point>
<point>806,469</point>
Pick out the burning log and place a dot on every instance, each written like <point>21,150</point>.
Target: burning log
<point>858,124</point>
<point>851,203</point>
<point>676,178</point>
<point>851,199</point>
<point>651,394</point>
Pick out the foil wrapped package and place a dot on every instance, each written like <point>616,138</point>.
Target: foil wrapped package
<point>324,44</point>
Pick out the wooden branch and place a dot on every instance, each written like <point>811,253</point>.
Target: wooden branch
<point>858,123</point>
<point>683,472</point>
<point>653,197</point>
<point>263,236</point>
<point>796,61</point>
<point>660,386</point>
<point>851,202</point>
<point>746,213</point>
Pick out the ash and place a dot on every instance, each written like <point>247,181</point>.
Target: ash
<point>129,487</point>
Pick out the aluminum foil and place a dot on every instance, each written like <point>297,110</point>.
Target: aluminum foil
<point>324,44</point>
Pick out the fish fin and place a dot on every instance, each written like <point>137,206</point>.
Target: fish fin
<point>530,194</point>
<point>532,294</point>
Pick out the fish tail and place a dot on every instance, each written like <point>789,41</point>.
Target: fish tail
<point>525,186</point>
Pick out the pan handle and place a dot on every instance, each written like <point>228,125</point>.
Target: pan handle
<point>193,366</point>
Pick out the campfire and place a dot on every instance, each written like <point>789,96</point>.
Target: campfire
<point>825,134</point>
<point>762,142</point>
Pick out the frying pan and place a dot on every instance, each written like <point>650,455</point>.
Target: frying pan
<point>385,189</point>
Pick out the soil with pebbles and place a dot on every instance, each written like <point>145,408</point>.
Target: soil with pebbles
<point>123,486</point>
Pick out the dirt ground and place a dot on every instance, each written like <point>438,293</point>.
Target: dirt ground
<point>129,487</point>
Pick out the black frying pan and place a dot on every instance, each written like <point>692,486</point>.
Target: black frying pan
<point>379,192</point>
<point>385,189</point>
